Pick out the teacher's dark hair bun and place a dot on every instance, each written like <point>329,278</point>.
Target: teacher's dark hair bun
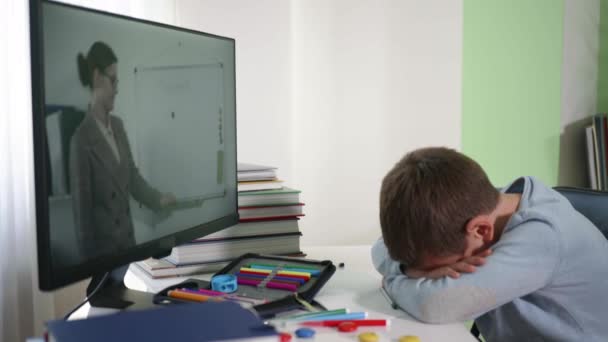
<point>100,56</point>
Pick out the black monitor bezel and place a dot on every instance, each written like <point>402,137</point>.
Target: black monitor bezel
<point>48,277</point>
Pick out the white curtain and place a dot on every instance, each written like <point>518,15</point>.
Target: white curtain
<point>23,307</point>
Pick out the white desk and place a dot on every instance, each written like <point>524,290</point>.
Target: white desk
<point>356,287</point>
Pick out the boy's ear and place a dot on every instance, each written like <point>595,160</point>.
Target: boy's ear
<point>481,227</point>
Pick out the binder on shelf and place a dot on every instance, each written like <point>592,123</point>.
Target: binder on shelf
<point>591,155</point>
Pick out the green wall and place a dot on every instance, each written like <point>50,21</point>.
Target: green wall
<point>511,90</point>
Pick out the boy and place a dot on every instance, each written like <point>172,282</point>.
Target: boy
<point>523,263</point>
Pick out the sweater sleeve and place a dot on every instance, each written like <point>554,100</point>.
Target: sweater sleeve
<point>522,262</point>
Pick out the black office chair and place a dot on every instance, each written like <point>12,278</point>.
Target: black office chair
<point>591,203</point>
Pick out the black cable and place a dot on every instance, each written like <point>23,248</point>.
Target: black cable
<point>101,282</point>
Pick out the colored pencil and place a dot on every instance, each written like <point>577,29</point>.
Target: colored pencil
<point>316,314</point>
<point>179,294</point>
<point>289,266</point>
<point>358,322</point>
<point>312,271</point>
<point>280,286</point>
<point>211,292</point>
<point>248,282</point>
<point>348,316</point>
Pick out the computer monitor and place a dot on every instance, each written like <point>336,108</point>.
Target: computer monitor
<point>134,126</point>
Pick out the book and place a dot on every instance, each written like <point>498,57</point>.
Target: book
<point>601,145</point>
<point>597,158</point>
<point>256,176</point>
<point>254,172</point>
<point>210,321</point>
<point>207,251</point>
<point>605,148</point>
<point>256,228</point>
<point>269,197</point>
<point>589,133</point>
<point>249,167</point>
<point>260,185</point>
<point>161,268</point>
<point>271,211</point>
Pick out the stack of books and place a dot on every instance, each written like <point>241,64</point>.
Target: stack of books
<point>268,224</point>
<point>252,177</point>
<point>597,152</point>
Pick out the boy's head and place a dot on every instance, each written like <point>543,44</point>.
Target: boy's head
<point>434,208</point>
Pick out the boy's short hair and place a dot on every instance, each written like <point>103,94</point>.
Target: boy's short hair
<point>426,201</point>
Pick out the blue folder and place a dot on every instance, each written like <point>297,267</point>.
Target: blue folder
<point>177,322</point>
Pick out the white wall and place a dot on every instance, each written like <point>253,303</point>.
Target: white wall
<point>372,80</point>
<point>263,72</point>
<point>335,92</point>
<point>157,10</point>
<point>579,87</point>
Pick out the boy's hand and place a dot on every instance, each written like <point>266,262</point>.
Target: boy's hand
<point>465,265</point>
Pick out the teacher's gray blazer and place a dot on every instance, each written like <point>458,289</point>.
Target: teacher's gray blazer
<point>101,187</point>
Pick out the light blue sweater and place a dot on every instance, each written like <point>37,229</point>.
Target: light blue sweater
<point>546,280</point>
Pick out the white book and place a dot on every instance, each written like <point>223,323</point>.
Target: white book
<point>260,185</point>
<point>207,251</point>
<point>256,175</point>
<point>589,134</point>
<point>269,197</point>
<point>597,158</point>
<point>255,228</point>
<point>248,167</point>
<point>161,268</point>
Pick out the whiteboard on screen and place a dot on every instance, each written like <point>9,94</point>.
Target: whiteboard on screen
<point>179,133</point>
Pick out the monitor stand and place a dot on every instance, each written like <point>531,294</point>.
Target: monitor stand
<point>114,294</point>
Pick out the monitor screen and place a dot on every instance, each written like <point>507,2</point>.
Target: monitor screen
<point>134,138</point>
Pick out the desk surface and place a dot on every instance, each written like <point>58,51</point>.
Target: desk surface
<point>356,286</point>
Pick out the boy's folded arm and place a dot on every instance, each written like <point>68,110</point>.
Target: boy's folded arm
<point>382,261</point>
<point>520,264</point>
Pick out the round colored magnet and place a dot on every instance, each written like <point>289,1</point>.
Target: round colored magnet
<point>347,326</point>
<point>285,337</point>
<point>305,332</point>
<point>409,338</point>
<point>368,337</point>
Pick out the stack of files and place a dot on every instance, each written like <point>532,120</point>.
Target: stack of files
<point>597,152</point>
<point>253,177</point>
<point>210,321</point>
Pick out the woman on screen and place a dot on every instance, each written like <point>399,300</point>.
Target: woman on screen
<point>103,175</point>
